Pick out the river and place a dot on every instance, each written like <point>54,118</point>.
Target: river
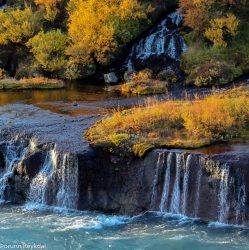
<point>63,229</point>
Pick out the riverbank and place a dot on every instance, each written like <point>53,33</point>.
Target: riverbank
<point>31,83</point>
<point>174,124</point>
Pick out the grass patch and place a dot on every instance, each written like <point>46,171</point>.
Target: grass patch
<point>31,83</point>
<point>147,87</point>
<point>142,83</point>
<point>174,124</point>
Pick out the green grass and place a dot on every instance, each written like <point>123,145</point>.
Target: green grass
<point>174,124</point>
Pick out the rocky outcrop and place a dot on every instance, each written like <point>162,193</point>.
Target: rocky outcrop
<point>38,167</point>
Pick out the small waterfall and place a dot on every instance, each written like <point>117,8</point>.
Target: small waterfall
<point>198,187</point>
<point>155,181</point>
<point>186,184</point>
<point>3,7</point>
<point>184,177</point>
<point>165,195</point>
<point>223,195</point>
<point>57,182</point>
<point>39,185</point>
<point>161,41</point>
<point>176,195</point>
<point>240,204</point>
<point>13,154</point>
<point>67,195</point>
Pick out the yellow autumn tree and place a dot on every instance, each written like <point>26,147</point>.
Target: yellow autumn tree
<point>49,8</point>
<point>98,28</point>
<point>196,13</point>
<point>48,49</point>
<point>18,25</point>
<point>221,27</point>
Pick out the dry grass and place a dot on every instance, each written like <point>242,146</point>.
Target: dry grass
<point>146,87</point>
<point>174,124</point>
<point>142,83</point>
<point>31,83</point>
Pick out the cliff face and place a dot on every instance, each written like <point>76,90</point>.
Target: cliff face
<point>39,168</point>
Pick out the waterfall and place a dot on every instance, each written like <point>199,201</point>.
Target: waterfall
<point>240,204</point>
<point>39,185</point>
<point>13,154</point>
<point>198,186</point>
<point>186,184</point>
<point>176,195</point>
<point>182,187</point>
<point>161,41</point>
<point>3,7</point>
<point>57,182</point>
<point>165,195</point>
<point>68,192</point>
<point>155,181</point>
<point>223,195</point>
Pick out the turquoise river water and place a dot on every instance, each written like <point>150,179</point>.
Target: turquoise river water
<point>55,228</point>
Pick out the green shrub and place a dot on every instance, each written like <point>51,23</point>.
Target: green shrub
<point>206,65</point>
<point>214,73</point>
<point>168,75</point>
<point>118,139</point>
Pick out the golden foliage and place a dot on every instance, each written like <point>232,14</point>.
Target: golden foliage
<point>18,25</point>
<point>196,13</point>
<point>49,7</point>
<point>219,27</point>
<point>49,49</point>
<point>97,28</point>
<point>186,124</point>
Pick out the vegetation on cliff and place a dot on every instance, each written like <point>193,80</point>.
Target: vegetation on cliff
<point>174,124</point>
<point>218,41</point>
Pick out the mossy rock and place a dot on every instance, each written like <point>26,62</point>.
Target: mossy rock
<point>142,149</point>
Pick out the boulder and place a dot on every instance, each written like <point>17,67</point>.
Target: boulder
<point>111,78</point>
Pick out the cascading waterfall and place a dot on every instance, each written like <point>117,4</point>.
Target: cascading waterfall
<point>176,195</point>
<point>198,186</point>
<point>155,182</point>
<point>57,182</point>
<point>67,195</point>
<point>186,185</point>
<point>163,40</point>
<point>240,204</point>
<point>13,154</point>
<point>182,187</point>
<point>223,195</point>
<point>165,195</point>
<point>39,185</point>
